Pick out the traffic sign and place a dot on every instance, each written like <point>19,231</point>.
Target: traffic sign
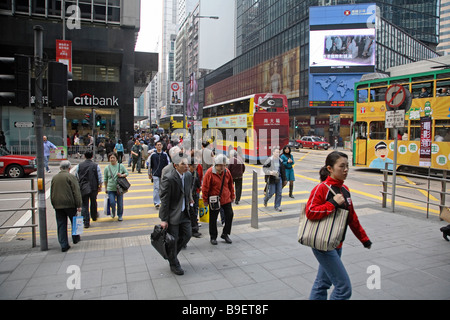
<point>23,124</point>
<point>395,96</point>
<point>395,119</point>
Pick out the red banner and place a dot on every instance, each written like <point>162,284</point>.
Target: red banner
<point>64,52</point>
<point>425,142</point>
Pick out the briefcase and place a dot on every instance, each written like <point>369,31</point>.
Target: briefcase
<point>162,241</point>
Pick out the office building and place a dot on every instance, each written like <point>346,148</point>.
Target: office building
<point>107,73</point>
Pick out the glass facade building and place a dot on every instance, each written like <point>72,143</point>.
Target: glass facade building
<point>273,36</point>
<point>107,72</point>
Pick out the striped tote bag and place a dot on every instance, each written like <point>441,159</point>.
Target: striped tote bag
<point>325,234</point>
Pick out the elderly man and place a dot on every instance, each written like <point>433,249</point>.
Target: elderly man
<point>65,196</point>
<point>175,190</point>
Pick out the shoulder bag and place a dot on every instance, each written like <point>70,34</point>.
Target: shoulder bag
<point>325,234</point>
<point>214,201</point>
<point>123,184</point>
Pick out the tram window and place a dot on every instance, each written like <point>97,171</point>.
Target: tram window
<point>377,130</point>
<point>443,88</point>
<point>379,94</point>
<point>442,130</point>
<point>414,134</point>
<point>361,130</point>
<point>362,96</point>
<point>422,90</point>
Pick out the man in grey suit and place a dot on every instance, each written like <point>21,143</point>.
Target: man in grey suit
<point>175,193</point>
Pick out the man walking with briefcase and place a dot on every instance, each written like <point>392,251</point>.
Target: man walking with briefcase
<point>175,191</point>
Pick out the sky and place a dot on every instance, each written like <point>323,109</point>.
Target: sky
<point>151,21</point>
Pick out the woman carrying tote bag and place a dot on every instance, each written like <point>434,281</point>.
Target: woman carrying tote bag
<point>321,203</point>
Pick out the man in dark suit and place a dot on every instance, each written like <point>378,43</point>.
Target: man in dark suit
<point>175,193</point>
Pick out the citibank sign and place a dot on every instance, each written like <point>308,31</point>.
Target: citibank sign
<point>87,99</point>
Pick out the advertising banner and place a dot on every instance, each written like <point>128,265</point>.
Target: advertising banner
<point>425,142</point>
<point>176,93</point>
<point>64,52</point>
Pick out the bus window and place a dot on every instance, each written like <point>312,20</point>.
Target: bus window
<point>377,130</point>
<point>422,90</point>
<point>360,130</point>
<point>401,132</point>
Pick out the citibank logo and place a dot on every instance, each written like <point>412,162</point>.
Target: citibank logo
<point>87,99</point>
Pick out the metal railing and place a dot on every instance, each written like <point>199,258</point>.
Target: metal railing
<point>442,192</point>
<point>33,209</point>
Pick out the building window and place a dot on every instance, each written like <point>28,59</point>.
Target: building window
<point>95,73</point>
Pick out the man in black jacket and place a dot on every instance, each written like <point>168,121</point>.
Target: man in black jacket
<point>158,160</point>
<point>175,191</point>
<point>90,179</point>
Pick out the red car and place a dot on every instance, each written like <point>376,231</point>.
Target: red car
<point>313,143</point>
<point>15,166</point>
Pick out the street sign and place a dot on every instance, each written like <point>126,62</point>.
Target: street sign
<point>395,119</point>
<point>395,96</point>
<point>24,124</point>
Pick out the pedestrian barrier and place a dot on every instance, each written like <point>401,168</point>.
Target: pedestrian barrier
<point>442,192</point>
<point>32,208</point>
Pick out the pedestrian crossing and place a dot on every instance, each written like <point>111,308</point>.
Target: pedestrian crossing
<point>138,201</point>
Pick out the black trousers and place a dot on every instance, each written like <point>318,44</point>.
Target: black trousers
<point>62,215</point>
<point>238,188</point>
<point>89,211</point>
<point>182,233</point>
<point>228,212</point>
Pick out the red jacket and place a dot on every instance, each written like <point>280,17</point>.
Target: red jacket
<point>321,204</point>
<point>212,183</point>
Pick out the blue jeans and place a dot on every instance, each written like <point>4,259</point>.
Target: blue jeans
<point>156,199</point>
<point>46,158</point>
<point>331,272</point>
<point>274,188</point>
<point>113,199</point>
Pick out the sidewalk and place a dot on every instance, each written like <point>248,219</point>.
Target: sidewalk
<point>266,263</point>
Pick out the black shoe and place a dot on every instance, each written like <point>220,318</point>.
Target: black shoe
<point>86,225</point>
<point>445,233</point>
<point>65,249</point>
<point>196,234</point>
<point>76,240</point>
<point>213,242</point>
<point>236,202</point>
<point>177,270</point>
<point>226,238</point>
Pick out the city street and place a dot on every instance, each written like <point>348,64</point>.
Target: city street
<point>140,214</point>
<point>115,260</point>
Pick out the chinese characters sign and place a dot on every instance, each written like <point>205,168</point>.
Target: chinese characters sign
<point>425,142</point>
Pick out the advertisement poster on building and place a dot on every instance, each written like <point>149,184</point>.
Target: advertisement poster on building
<point>176,93</point>
<point>192,103</point>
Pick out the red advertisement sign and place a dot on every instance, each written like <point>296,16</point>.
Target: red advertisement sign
<point>64,52</point>
<point>425,142</point>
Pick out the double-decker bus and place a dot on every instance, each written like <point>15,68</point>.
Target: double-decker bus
<point>175,119</point>
<point>373,144</point>
<point>255,123</point>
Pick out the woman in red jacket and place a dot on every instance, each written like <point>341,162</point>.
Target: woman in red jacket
<point>321,203</point>
<point>212,182</point>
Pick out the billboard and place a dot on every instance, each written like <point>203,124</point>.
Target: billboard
<point>342,48</point>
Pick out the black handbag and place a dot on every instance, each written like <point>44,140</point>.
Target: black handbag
<point>122,184</point>
<point>162,241</point>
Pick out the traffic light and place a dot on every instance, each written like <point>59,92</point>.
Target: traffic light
<point>15,81</point>
<point>57,86</point>
<point>171,125</point>
<point>98,120</point>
